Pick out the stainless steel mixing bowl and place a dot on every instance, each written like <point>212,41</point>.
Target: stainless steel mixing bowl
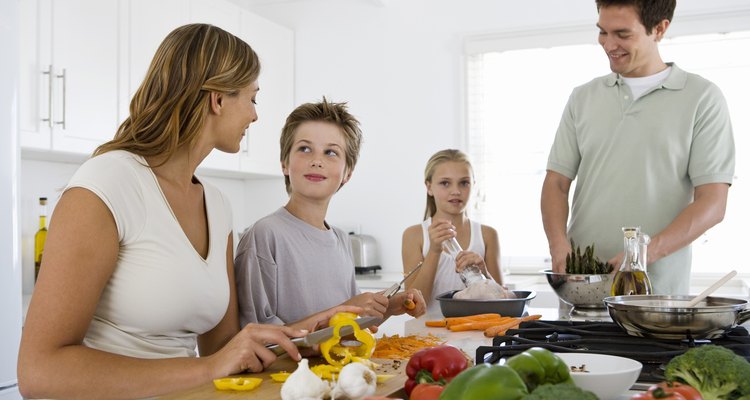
<point>579,290</point>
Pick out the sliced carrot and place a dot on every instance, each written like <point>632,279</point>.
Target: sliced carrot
<point>496,330</point>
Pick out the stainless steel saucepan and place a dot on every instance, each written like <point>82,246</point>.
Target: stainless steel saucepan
<point>667,317</point>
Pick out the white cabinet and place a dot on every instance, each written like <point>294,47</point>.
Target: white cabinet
<point>275,47</point>
<point>82,60</point>
<point>69,74</point>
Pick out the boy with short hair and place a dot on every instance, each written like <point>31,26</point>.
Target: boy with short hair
<point>292,261</point>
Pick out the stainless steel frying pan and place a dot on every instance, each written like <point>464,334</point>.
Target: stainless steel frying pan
<point>666,317</point>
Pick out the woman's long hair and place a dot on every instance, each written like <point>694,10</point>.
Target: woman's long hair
<point>171,105</point>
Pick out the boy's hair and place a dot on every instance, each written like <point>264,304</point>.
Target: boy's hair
<point>172,103</point>
<point>432,164</point>
<point>651,12</point>
<point>324,111</point>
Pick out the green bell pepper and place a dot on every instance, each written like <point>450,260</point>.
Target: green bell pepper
<point>485,381</point>
<point>537,366</point>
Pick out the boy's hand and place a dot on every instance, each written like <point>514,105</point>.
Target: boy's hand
<point>410,302</point>
<point>372,304</point>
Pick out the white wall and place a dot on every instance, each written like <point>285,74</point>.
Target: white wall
<point>400,68</point>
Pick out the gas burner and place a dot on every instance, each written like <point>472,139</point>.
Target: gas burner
<point>603,338</point>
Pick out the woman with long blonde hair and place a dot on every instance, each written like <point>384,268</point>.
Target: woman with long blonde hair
<point>137,271</point>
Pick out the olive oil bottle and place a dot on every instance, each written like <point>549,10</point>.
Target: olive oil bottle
<point>632,278</point>
<point>41,236</point>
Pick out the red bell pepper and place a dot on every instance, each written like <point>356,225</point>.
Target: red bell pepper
<point>436,365</point>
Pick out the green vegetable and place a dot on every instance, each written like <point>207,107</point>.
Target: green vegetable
<point>485,381</point>
<point>560,391</point>
<point>717,372</point>
<point>538,366</point>
<point>586,263</point>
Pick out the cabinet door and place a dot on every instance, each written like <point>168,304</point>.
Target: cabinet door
<point>225,15</point>
<point>85,39</point>
<point>34,88</point>
<point>275,47</point>
<point>149,23</point>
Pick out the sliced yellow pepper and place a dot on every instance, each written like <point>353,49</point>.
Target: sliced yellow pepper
<point>242,384</point>
<point>280,376</point>
<point>339,355</point>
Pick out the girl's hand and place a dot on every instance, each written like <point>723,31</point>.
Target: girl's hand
<point>247,350</point>
<point>410,302</point>
<point>466,258</point>
<point>440,231</point>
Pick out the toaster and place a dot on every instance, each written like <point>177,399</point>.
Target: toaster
<point>365,253</point>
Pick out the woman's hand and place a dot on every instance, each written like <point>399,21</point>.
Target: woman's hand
<point>399,303</point>
<point>247,350</point>
<point>466,258</point>
<point>372,304</point>
<point>440,231</point>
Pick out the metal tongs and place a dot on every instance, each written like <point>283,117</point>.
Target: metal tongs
<point>397,286</point>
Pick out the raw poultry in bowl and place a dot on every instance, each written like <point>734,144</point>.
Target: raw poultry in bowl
<point>453,307</point>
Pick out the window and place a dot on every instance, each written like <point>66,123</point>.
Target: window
<point>515,100</point>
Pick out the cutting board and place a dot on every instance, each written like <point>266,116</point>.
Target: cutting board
<point>272,390</point>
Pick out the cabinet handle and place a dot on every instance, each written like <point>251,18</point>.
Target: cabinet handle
<point>62,76</point>
<point>48,72</point>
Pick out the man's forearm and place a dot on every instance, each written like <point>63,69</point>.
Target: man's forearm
<point>706,210</point>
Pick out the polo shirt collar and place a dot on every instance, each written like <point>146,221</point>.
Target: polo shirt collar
<point>676,79</point>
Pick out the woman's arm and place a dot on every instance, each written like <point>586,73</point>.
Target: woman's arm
<point>80,256</point>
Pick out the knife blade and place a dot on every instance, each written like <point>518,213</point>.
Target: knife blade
<point>322,335</point>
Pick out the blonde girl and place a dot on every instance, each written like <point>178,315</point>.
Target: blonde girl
<point>449,179</point>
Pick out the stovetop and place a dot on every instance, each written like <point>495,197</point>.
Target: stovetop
<point>604,338</point>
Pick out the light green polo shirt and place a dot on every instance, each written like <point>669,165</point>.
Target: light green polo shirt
<point>637,162</point>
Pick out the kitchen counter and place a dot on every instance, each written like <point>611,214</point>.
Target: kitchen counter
<point>399,325</point>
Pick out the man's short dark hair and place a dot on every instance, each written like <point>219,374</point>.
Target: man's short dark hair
<point>651,12</point>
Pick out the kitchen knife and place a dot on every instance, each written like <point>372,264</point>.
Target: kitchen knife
<point>322,335</point>
<point>397,286</point>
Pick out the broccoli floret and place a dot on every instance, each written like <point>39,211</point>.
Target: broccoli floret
<point>560,391</point>
<point>718,373</point>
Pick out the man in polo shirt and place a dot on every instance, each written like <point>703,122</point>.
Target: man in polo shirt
<point>650,145</point>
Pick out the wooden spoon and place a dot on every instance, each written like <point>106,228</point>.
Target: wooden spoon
<point>697,299</point>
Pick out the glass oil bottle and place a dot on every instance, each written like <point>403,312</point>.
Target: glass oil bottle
<point>631,278</point>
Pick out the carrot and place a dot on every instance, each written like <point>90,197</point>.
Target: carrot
<point>435,324</point>
<point>471,318</point>
<point>478,325</point>
<point>502,328</point>
<point>409,304</point>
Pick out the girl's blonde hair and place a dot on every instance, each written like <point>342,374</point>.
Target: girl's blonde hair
<point>171,105</point>
<point>432,164</point>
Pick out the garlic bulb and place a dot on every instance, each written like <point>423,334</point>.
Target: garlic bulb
<point>355,382</point>
<point>304,384</point>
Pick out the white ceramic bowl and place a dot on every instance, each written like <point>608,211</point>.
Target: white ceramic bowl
<point>609,376</point>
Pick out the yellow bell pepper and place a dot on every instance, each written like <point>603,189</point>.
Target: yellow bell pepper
<point>339,355</point>
<point>242,384</point>
<point>280,376</point>
<point>324,371</point>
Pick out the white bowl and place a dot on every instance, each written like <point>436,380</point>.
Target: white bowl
<point>608,377</point>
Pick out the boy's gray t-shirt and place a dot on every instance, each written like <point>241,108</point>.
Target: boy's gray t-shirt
<point>286,269</point>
